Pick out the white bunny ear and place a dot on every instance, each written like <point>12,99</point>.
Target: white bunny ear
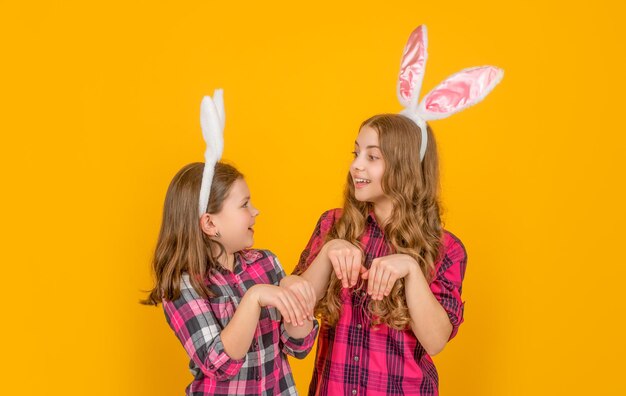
<point>459,91</point>
<point>412,68</point>
<point>212,122</point>
<point>218,99</point>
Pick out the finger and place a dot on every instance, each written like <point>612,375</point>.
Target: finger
<point>302,297</point>
<point>283,310</point>
<point>297,311</point>
<point>290,310</point>
<point>377,282</point>
<point>390,283</point>
<point>293,300</point>
<point>305,304</point>
<point>372,277</point>
<point>384,280</point>
<point>334,260</point>
<point>307,291</point>
<point>354,269</point>
<point>344,272</point>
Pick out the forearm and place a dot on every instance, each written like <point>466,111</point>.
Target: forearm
<point>429,321</point>
<point>318,274</point>
<point>238,334</point>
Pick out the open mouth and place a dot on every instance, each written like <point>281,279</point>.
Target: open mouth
<point>360,183</point>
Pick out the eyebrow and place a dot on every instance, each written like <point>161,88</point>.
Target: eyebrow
<point>244,199</point>
<point>368,147</point>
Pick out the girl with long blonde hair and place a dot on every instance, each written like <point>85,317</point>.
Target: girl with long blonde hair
<point>388,276</point>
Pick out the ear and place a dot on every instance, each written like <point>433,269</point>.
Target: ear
<point>412,68</point>
<point>459,91</point>
<point>207,225</point>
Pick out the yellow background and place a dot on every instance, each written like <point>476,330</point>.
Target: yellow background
<point>99,108</point>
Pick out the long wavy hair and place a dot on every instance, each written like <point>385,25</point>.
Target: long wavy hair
<point>414,227</point>
<point>182,247</point>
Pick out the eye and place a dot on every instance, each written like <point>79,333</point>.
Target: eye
<point>355,154</point>
<point>245,205</point>
<point>372,158</point>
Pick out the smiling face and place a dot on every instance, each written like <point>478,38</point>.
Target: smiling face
<point>235,221</point>
<point>368,167</point>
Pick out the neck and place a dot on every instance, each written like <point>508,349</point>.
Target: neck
<point>382,211</point>
<point>227,260</point>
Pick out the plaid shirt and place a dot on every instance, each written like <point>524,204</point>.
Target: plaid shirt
<point>353,358</point>
<point>198,322</point>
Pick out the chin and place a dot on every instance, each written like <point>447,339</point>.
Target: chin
<point>362,197</point>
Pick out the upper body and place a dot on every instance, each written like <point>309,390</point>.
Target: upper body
<point>225,302</point>
<point>355,357</point>
<point>198,323</point>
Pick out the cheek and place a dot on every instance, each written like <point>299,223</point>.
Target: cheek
<point>380,171</point>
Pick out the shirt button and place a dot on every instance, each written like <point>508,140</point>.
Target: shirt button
<point>358,326</point>
<point>362,295</point>
<point>354,391</point>
<point>356,358</point>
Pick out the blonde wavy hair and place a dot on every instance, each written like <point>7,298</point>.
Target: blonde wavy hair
<point>414,227</point>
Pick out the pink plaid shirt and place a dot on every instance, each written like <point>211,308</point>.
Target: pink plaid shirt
<point>198,323</point>
<point>353,358</point>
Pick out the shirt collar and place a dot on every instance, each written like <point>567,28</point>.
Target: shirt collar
<point>243,259</point>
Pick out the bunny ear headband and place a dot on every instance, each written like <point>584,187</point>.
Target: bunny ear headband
<point>212,122</point>
<point>454,94</point>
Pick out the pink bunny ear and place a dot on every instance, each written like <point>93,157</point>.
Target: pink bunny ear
<point>459,91</point>
<point>412,67</point>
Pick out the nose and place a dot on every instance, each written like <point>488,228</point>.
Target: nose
<point>357,163</point>
<point>254,211</point>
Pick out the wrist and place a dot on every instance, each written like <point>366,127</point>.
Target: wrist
<point>253,295</point>
<point>287,279</point>
<point>414,268</point>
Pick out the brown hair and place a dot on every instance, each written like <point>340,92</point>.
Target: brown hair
<point>414,226</point>
<point>182,246</point>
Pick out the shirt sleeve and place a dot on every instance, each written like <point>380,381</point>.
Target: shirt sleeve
<point>317,240</point>
<point>296,347</point>
<point>447,284</point>
<point>194,323</point>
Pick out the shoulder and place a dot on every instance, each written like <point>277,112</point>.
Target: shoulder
<point>186,287</point>
<point>453,260</point>
<point>187,294</point>
<point>328,219</point>
<point>332,213</point>
<point>453,248</point>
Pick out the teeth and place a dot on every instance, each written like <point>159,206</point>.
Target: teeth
<point>361,180</point>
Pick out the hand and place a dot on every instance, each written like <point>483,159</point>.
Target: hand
<point>385,271</point>
<point>346,260</point>
<point>283,299</point>
<point>304,292</point>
